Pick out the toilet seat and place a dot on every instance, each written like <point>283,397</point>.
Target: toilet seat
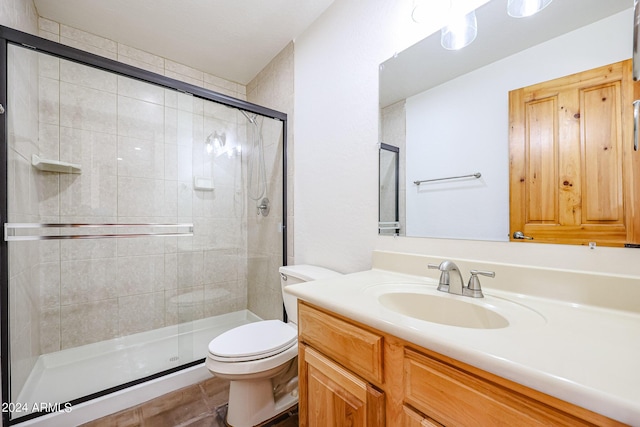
<point>253,341</point>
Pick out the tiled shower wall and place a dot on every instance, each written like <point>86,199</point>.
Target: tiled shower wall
<point>133,285</point>
<point>140,147</point>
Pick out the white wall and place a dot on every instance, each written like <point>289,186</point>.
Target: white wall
<point>336,129</point>
<point>336,101</point>
<point>461,127</point>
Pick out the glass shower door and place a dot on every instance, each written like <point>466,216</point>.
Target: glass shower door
<point>106,177</point>
<point>141,222</point>
<point>92,225</point>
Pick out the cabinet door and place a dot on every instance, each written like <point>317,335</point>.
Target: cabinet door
<point>411,418</point>
<point>330,395</point>
<point>570,167</point>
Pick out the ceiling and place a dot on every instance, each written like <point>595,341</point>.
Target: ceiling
<point>231,39</point>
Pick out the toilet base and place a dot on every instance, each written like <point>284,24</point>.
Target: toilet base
<point>252,402</point>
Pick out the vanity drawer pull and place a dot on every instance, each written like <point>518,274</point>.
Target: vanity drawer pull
<point>353,347</point>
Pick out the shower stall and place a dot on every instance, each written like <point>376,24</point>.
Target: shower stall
<point>142,217</point>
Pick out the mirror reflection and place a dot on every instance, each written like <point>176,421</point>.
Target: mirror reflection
<point>449,110</point>
<point>388,189</point>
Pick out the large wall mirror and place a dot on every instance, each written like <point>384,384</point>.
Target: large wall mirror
<point>448,111</point>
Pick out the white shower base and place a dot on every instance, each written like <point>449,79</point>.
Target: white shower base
<point>73,373</point>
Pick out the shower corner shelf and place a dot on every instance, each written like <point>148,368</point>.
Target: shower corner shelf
<point>48,165</point>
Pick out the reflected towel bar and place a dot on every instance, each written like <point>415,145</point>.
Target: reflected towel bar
<point>10,229</point>
<point>474,175</point>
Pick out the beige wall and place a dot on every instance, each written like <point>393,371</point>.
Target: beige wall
<point>19,14</point>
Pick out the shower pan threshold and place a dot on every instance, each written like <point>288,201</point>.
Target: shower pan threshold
<point>80,371</point>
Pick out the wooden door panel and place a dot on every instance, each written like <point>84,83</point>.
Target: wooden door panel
<point>569,159</point>
<point>602,140</point>
<point>541,161</point>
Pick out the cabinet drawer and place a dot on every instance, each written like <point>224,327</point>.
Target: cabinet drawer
<point>455,397</point>
<point>357,349</point>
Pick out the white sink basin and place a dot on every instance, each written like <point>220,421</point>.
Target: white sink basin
<point>445,311</point>
<point>425,303</point>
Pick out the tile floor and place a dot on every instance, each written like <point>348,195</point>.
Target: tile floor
<point>199,405</point>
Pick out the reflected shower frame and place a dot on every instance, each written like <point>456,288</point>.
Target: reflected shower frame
<point>38,44</point>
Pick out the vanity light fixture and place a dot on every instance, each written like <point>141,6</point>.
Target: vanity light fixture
<point>462,28</point>
<point>524,8</point>
<point>460,31</point>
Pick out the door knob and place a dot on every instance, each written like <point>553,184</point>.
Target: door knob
<point>520,235</point>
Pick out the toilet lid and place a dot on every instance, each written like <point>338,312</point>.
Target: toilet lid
<point>253,341</point>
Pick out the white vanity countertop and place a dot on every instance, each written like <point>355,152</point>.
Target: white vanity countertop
<point>585,355</point>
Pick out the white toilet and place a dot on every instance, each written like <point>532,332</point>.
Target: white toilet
<point>259,358</point>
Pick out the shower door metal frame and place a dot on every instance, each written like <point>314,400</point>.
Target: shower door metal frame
<point>39,44</point>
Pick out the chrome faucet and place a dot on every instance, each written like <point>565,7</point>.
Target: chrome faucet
<point>451,280</point>
<point>448,269</point>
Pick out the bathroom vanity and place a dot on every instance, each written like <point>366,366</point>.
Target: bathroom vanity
<point>365,361</point>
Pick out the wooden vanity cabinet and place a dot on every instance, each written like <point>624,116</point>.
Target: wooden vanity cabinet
<point>337,363</point>
<point>353,375</point>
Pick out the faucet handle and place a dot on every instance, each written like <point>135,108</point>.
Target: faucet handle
<point>483,273</point>
<point>443,283</point>
<point>473,288</point>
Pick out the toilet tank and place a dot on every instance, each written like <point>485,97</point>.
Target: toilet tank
<point>292,274</point>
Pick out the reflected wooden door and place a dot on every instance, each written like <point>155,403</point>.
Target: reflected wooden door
<point>570,150</point>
